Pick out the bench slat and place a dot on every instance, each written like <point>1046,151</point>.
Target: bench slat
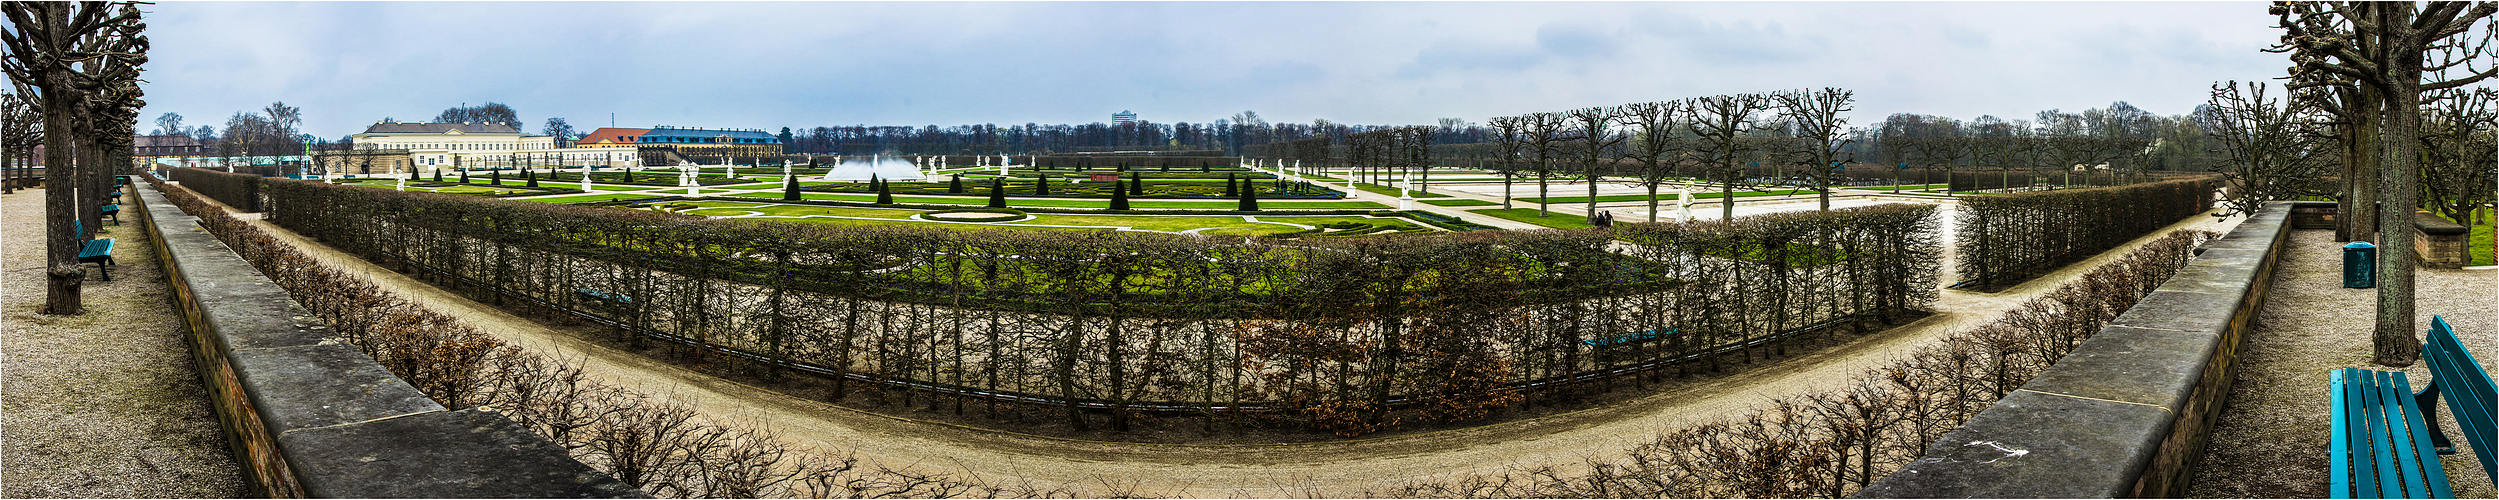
<point>2399,437</point>
<point>2364,459</point>
<point>2468,391</point>
<point>2389,482</point>
<point>2433,472</point>
<point>2339,447</point>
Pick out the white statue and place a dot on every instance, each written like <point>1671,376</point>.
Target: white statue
<point>1683,205</point>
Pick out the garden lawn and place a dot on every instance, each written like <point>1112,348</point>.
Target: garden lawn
<point>2479,241</point>
<point>586,198</point>
<point>452,189</point>
<point>1085,203</point>
<point>1391,191</point>
<point>731,208</point>
<point>1662,196</point>
<point>1460,202</point>
<point>1528,215</point>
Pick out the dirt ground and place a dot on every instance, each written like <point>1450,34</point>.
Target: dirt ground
<point>2271,439</point>
<point>1334,468</point>
<point>106,403</point>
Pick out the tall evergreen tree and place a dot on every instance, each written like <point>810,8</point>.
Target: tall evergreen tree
<point>1119,198</point>
<point>1136,186</point>
<point>1249,199</point>
<point>789,191</point>
<point>1229,186</point>
<point>997,192</point>
<point>884,193</point>
<point>955,185</point>
<point>1041,185</point>
<point>531,175</point>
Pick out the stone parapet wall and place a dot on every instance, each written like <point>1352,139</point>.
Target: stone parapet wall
<point>309,415</point>
<point>2128,412</point>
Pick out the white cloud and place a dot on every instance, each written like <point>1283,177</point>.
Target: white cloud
<point>766,65</point>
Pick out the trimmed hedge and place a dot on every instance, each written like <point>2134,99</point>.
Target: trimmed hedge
<point>2009,238</point>
<point>241,191</point>
<point>1345,335</point>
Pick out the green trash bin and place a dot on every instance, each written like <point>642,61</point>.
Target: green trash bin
<point>2360,265</point>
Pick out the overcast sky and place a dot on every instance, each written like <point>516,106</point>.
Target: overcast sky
<point>769,65</point>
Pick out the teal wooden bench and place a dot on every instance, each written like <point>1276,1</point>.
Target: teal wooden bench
<point>606,299</point>
<point>111,210</point>
<point>2386,439</point>
<point>96,250</point>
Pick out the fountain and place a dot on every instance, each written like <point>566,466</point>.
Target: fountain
<point>877,166</point>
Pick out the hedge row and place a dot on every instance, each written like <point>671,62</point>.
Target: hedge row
<point>1337,332</point>
<point>666,448</point>
<point>2006,239</point>
<point>241,191</point>
<point>1831,442</point>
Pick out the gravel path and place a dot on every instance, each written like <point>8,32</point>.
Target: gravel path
<point>107,403</point>
<point>1337,468</point>
<point>2271,438</point>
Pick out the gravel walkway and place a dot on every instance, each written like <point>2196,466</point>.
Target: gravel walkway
<point>2271,439</point>
<point>107,403</point>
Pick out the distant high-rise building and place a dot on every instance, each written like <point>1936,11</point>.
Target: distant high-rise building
<point>1123,116</point>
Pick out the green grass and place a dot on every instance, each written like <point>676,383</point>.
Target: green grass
<point>1083,203</point>
<point>1212,224</point>
<point>731,208</point>
<point>1460,202</point>
<point>451,189</point>
<point>585,198</point>
<point>1391,191</point>
<point>1662,197</point>
<point>1528,215</point>
<point>2479,240</point>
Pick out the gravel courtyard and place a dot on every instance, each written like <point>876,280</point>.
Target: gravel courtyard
<point>102,404</point>
<point>2271,438</point>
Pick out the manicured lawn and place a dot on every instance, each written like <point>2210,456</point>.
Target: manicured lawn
<point>2480,242</point>
<point>1661,196</point>
<point>731,208</point>
<point>1392,191</point>
<point>1081,203</point>
<point>1460,202</point>
<point>1528,215</point>
<point>452,189</point>
<point>586,197</point>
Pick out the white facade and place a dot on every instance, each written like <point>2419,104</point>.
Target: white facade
<point>544,157</point>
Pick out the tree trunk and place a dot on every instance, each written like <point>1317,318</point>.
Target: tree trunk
<point>2396,345</point>
<point>60,194</point>
<point>2357,218</point>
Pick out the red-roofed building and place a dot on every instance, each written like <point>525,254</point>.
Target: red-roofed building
<point>611,137</point>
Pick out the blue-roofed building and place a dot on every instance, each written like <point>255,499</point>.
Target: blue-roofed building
<point>707,141</point>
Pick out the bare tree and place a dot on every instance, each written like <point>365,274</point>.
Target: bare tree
<point>1723,120</point>
<point>2389,47</point>
<point>2266,141</point>
<point>1545,136</point>
<point>1509,137</point>
<point>48,46</point>
<point>1817,116</point>
<point>1595,127</point>
<point>1652,127</point>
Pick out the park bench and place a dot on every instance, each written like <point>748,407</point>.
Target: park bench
<point>97,250</point>
<point>609,300</point>
<point>112,210</point>
<point>2386,439</point>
